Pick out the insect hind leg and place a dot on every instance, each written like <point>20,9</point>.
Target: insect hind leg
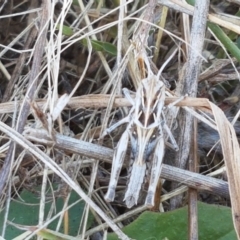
<point>117,163</point>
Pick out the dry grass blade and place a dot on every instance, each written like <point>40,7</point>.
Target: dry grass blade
<point>231,153</point>
<point>194,180</point>
<point>96,101</point>
<point>188,85</point>
<point>192,193</point>
<point>18,138</point>
<point>188,9</point>
<point>83,57</point>
<point>32,85</point>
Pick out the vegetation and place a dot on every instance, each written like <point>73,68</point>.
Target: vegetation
<point>63,68</point>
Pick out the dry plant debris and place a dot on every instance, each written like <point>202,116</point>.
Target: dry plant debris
<point>63,67</point>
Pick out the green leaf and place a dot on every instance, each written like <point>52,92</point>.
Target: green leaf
<point>97,45</point>
<point>215,223</point>
<point>75,2</point>
<point>109,48</point>
<point>225,40</point>
<point>67,31</point>
<point>222,37</point>
<point>45,234</point>
<point>101,46</point>
<point>25,211</point>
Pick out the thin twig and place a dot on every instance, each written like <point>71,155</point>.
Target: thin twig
<point>19,139</point>
<point>194,180</point>
<point>188,85</point>
<point>192,193</point>
<point>184,7</point>
<point>101,100</point>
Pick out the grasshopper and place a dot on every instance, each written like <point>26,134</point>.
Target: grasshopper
<point>145,130</point>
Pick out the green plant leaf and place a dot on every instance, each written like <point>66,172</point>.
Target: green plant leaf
<point>222,37</point>
<point>97,45</point>
<point>75,2</point>
<point>215,223</point>
<point>45,234</point>
<point>109,48</point>
<point>67,31</point>
<point>25,211</point>
<point>101,46</point>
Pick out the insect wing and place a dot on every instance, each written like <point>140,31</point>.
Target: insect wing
<point>135,183</point>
